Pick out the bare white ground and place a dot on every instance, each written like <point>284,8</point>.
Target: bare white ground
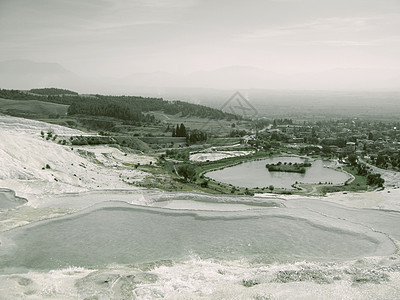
<point>31,165</point>
<point>14,125</point>
<point>217,155</point>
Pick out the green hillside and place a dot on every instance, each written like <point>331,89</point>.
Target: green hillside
<point>122,107</point>
<point>32,108</point>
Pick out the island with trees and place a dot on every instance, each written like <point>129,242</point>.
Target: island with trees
<point>288,167</point>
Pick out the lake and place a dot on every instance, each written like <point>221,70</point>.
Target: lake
<point>254,174</point>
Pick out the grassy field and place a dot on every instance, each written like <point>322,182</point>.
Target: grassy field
<point>357,185</point>
<point>32,108</point>
<point>358,180</point>
<point>217,127</point>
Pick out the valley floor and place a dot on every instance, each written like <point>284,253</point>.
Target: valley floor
<point>342,246</point>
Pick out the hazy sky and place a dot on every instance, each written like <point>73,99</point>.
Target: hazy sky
<point>119,37</point>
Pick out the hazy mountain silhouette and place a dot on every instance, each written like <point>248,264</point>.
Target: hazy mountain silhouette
<point>236,77</point>
<point>153,79</point>
<point>26,74</point>
<point>347,79</point>
<point>245,77</point>
<point>233,77</point>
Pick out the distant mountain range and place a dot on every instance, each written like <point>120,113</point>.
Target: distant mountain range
<point>25,74</point>
<point>234,77</point>
<point>243,77</point>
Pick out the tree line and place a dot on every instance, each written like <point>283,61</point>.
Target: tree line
<point>52,92</point>
<point>115,110</point>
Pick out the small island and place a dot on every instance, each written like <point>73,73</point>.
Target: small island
<point>288,167</point>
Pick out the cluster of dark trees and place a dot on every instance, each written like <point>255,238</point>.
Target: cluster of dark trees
<point>385,160</point>
<point>104,108</point>
<point>195,136</point>
<point>265,144</point>
<point>52,92</point>
<point>277,122</point>
<point>339,142</point>
<point>352,158</point>
<point>363,170</point>
<point>306,150</point>
<point>188,172</point>
<point>17,95</point>
<point>192,136</point>
<point>180,131</point>
<point>375,179</point>
<point>143,104</point>
<point>288,167</point>
<point>92,140</point>
<point>60,99</point>
<point>238,133</point>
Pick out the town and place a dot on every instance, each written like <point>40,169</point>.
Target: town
<point>377,143</point>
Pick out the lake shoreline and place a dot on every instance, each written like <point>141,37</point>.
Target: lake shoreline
<point>293,186</point>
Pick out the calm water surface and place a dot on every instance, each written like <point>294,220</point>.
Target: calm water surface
<point>125,235</point>
<point>255,174</point>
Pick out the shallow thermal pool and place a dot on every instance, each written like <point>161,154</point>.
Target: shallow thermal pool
<point>123,234</point>
<point>8,199</point>
<point>256,250</point>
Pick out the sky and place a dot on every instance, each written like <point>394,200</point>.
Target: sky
<point>120,37</point>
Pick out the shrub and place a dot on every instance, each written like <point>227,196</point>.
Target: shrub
<point>188,172</point>
<point>204,183</point>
